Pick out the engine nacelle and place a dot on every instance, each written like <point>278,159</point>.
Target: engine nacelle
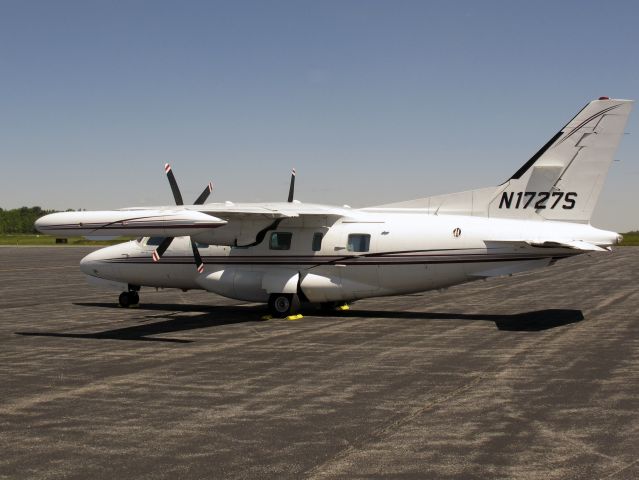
<point>250,284</point>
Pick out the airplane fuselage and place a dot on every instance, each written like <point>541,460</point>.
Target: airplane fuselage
<point>371,254</point>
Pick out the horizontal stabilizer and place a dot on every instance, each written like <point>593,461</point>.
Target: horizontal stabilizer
<point>575,244</point>
<point>543,243</point>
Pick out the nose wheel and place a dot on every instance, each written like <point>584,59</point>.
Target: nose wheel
<point>128,299</point>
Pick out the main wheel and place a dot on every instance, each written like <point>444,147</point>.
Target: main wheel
<point>283,304</point>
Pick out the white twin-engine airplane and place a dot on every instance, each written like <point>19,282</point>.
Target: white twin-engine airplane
<point>290,253</point>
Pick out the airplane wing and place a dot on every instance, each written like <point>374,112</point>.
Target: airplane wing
<point>272,210</point>
<point>248,223</point>
<point>241,222</point>
<point>147,222</point>
<point>279,210</point>
<point>225,223</point>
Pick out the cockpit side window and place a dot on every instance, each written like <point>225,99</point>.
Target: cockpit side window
<point>317,241</point>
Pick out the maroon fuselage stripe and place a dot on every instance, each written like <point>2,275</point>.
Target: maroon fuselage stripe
<point>318,260</point>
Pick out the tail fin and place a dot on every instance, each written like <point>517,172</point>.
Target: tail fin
<point>563,180</point>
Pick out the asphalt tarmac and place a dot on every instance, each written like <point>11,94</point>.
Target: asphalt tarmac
<point>534,376</point>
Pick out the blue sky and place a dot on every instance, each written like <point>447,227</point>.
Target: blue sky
<point>371,101</point>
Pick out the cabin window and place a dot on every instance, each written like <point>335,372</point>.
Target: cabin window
<point>358,242</point>
<point>317,241</point>
<point>154,241</point>
<point>280,241</point>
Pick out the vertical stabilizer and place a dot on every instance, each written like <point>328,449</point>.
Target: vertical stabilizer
<point>563,180</point>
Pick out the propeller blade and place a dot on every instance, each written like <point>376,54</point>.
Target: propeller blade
<point>157,254</point>
<point>174,186</point>
<point>291,189</point>
<point>204,195</point>
<point>198,259</point>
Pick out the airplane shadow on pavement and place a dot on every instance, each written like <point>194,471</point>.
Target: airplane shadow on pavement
<point>535,321</point>
<point>212,316</point>
<point>171,322</point>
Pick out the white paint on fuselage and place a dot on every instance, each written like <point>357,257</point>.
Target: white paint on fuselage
<point>340,279</point>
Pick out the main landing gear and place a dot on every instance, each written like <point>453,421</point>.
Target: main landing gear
<point>282,305</point>
<point>130,298</point>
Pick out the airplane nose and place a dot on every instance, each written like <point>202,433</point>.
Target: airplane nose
<point>90,264</point>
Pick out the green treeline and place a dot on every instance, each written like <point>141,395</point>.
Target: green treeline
<point>20,220</point>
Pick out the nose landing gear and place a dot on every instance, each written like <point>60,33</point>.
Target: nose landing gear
<point>130,298</point>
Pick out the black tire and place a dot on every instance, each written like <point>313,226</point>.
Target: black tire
<point>125,300</point>
<point>134,298</point>
<point>282,305</point>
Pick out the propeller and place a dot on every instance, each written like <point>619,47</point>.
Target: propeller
<point>204,195</point>
<point>291,188</point>
<point>164,245</point>
<point>174,186</point>
<point>199,264</point>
